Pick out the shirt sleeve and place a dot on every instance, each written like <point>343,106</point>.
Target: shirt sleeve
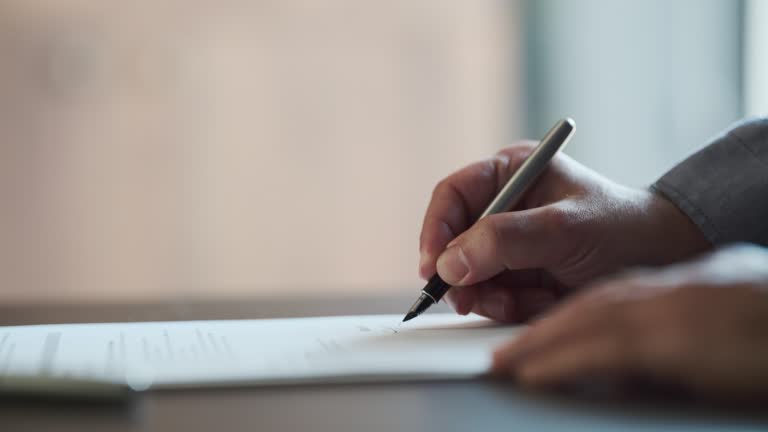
<point>723,188</point>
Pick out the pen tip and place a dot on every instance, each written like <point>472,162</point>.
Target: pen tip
<point>409,316</point>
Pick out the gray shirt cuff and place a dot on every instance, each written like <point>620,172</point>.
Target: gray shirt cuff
<point>723,188</point>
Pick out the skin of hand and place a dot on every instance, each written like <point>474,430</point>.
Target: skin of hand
<point>701,325</point>
<point>571,227</point>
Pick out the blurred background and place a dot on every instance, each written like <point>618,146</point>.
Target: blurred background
<point>261,148</point>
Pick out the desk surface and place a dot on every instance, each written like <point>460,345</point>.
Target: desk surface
<point>420,406</point>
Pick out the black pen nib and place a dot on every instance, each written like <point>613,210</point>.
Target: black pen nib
<point>422,304</point>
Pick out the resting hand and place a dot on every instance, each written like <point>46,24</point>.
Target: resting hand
<point>702,325</point>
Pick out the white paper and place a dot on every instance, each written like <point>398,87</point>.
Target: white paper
<point>245,352</point>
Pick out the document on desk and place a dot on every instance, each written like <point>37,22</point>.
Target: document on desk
<point>254,352</point>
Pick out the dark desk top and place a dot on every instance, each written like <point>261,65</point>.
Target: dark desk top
<point>418,406</point>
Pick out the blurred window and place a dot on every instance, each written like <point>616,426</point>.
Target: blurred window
<point>647,81</point>
<point>213,148</point>
<point>756,58</point>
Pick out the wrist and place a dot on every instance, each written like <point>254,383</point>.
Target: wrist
<point>676,236</point>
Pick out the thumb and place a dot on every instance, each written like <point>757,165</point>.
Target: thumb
<point>506,241</point>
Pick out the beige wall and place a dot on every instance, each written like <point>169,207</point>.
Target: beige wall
<point>166,148</point>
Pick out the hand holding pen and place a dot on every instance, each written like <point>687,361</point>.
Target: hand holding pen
<point>569,227</point>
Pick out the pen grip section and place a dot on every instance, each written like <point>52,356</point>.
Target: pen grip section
<point>436,287</point>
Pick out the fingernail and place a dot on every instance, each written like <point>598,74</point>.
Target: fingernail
<point>452,265</point>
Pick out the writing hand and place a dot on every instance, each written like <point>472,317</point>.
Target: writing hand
<point>572,226</point>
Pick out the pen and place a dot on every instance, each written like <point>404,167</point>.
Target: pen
<point>509,195</point>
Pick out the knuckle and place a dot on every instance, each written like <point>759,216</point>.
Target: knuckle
<point>518,151</point>
<point>499,163</point>
<point>497,169</point>
<point>441,187</point>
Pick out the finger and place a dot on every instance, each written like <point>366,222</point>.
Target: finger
<point>459,199</point>
<point>512,306</point>
<point>455,202</point>
<point>526,239</point>
<point>577,318</point>
<point>603,352</point>
<point>466,299</point>
<point>462,300</point>
<point>512,296</point>
<point>532,292</point>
